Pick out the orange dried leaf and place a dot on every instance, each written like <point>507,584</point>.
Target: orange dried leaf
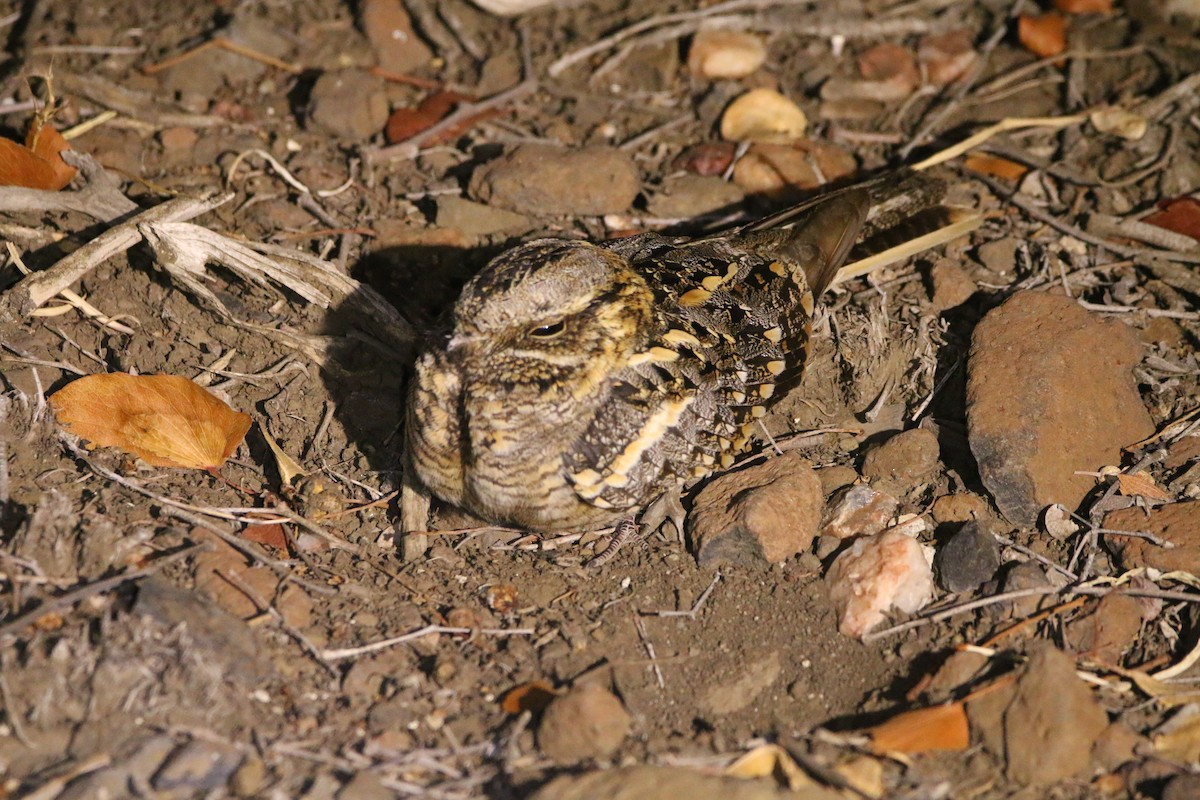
<point>166,420</point>
<point>1140,483</point>
<point>533,696</point>
<point>892,63</point>
<point>937,728</point>
<point>1044,35</point>
<point>1084,6</point>
<point>405,123</point>
<point>36,164</point>
<point>271,534</point>
<point>996,167</point>
<point>1181,215</point>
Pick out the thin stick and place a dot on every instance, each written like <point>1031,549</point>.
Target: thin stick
<point>695,609</point>
<point>646,643</point>
<point>97,587</point>
<point>353,652</point>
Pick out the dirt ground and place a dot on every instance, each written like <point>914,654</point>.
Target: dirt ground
<point>131,664</point>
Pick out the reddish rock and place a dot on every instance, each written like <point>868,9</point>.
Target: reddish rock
<point>1049,392</point>
<point>962,507</point>
<point>875,575</point>
<point>759,515</point>
<point>349,104</point>
<point>389,28</point>
<point>859,510</point>
<point>906,459</point>
<point>1109,630</point>
<point>1177,523</point>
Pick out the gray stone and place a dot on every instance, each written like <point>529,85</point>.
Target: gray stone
<point>555,181</point>
<point>969,558</point>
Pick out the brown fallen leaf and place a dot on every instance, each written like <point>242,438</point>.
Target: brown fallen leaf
<point>891,63</point>
<point>1044,35</point>
<point>709,158</point>
<point>166,420</point>
<point>1139,483</point>
<point>37,163</point>
<point>1084,6</point>
<point>770,761</point>
<point>941,727</point>
<point>271,534</point>
<point>1181,215</point>
<point>947,56</point>
<point>404,123</point>
<point>533,696</point>
<point>996,167</point>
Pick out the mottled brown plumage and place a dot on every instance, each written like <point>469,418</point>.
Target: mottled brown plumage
<point>579,382</point>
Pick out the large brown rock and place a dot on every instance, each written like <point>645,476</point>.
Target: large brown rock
<point>1049,392</point>
<point>551,181</point>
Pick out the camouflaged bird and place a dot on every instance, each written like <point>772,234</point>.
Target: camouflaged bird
<point>579,382</point>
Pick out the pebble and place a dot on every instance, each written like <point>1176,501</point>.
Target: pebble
<point>875,575</point>
<point>1049,392</point>
<point>725,54</point>
<point>365,786</point>
<point>198,766</point>
<point>543,180</point>
<point>836,477</point>
<point>477,219</point>
<point>348,104</point>
<point>389,29</point>
<point>1182,787</point>
<point>906,459</point>
<point>999,255</point>
<point>763,115</point>
<point>782,171</point>
<point>249,778</point>
<point>644,782</point>
<point>761,515</point>
<point>961,507</point>
<point>859,510</point>
<point>1104,634</point>
<point>968,558</point>
<point>1052,721</point>
<point>588,722</point>
<point>1026,575</point>
<point>952,286</point>
<point>686,196</point>
<point>1177,523</point>
<point>733,693</point>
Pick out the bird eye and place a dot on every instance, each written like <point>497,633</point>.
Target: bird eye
<point>549,331</point>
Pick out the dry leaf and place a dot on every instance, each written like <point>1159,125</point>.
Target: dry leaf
<point>1140,483</point>
<point>923,730</point>
<point>36,164</point>
<point>710,158</point>
<point>763,115</point>
<point>271,534</point>
<point>533,696</point>
<point>996,167</point>
<point>166,420</point>
<point>1084,6</point>
<point>408,122</point>
<point>1044,35</point>
<point>1181,215</point>
<point>1119,122</point>
<point>502,597</point>
<point>725,54</point>
<point>864,775</point>
<point>770,761</point>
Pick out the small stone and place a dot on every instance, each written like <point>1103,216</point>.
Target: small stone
<point>957,671</point>
<point>686,196</point>
<point>389,29</point>
<point>477,219</point>
<point>349,104</point>
<point>197,766</point>
<point>1162,330</point>
<point>709,159</point>
<point>876,574</point>
<point>962,507</point>
<point>859,511</point>
<point>249,778</point>
<point>1116,746</point>
<point>763,115</point>
<point>725,54</point>
<point>759,515</point>
<point>999,255</point>
<point>1177,523</point>
<point>946,56</point>
<point>836,477</point>
<point>952,286</point>
<point>1026,575</point>
<point>365,786</point>
<point>1182,787</point>
<point>1049,392</point>
<point>656,783</point>
<point>733,693</point>
<point>553,181</point>
<point>588,722</point>
<point>905,459</point>
<point>178,139</point>
<point>1052,721</point>
<point>1109,630</point>
<point>968,559</point>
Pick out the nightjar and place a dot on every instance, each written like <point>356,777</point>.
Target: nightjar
<point>579,382</point>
